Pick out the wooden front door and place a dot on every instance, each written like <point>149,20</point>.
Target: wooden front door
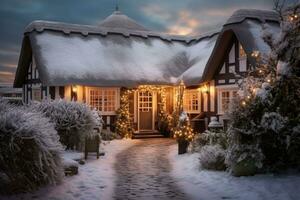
<point>145,111</point>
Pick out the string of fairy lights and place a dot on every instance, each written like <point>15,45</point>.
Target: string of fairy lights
<point>124,125</point>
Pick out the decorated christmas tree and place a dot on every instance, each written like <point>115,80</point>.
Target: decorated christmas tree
<point>123,122</point>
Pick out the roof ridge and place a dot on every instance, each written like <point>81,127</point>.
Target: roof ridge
<point>240,15</point>
<point>85,30</point>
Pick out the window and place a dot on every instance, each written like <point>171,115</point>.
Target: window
<point>36,94</point>
<point>103,99</point>
<point>226,98</point>
<point>145,101</point>
<point>191,101</point>
<point>242,59</point>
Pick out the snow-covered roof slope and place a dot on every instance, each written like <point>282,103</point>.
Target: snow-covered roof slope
<point>115,60</point>
<point>249,27</point>
<point>117,52</point>
<point>120,52</point>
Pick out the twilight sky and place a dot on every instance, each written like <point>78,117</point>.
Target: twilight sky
<point>172,16</point>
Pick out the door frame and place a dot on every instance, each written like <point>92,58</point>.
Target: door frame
<point>154,109</point>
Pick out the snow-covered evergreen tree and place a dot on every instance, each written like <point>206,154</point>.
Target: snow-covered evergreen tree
<point>266,119</point>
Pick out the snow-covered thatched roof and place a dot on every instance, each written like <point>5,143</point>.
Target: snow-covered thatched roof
<point>120,52</point>
<point>249,27</point>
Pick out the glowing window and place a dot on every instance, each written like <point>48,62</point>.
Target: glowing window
<point>191,101</point>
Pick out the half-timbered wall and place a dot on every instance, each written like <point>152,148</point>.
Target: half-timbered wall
<point>234,62</point>
<point>33,89</point>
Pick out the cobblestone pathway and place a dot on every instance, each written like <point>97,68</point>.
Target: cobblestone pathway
<point>143,172</point>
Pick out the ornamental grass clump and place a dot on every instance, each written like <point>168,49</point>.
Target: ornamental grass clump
<point>30,152</point>
<point>73,121</point>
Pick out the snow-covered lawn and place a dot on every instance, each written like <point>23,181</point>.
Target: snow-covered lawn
<point>204,184</point>
<point>95,179</point>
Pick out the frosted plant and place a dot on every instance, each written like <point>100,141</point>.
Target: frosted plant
<point>30,152</point>
<point>73,121</point>
<point>273,121</point>
<point>212,157</point>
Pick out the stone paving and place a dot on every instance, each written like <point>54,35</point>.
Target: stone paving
<point>143,172</point>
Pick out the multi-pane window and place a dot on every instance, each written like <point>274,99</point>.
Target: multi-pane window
<point>191,101</point>
<point>226,99</point>
<point>145,101</point>
<point>103,99</point>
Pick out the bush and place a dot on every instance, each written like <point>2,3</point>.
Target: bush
<point>212,157</point>
<point>30,152</point>
<point>107,135</point>
<point>208,138</point>
<point>199,141</point>
<point>244,160</point>
<point>73,121</point>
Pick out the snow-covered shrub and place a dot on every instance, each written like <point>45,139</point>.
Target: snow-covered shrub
<point>212,157</point>
<point>108,135</point>
<point>98,119</point>
<point>30,152</point>
<point>273,121</point>
<point>208,138</point>
<point>244,160</point>
<point>73,120</point>
<point>199,141</point>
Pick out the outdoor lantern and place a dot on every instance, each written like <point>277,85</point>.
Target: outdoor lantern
<point>204,89</point>
<point>74,88</point>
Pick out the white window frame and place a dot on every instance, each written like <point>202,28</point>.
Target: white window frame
<point>189,108</point>
<point>117,98</point>
<point>145,101</point>
<point>222,89</point>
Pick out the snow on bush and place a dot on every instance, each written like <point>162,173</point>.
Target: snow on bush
<point>208,137</point>
<point>73,121</point>
<point>273,121</point>
<point>98,119</point>
<point>30,152</point>
<point>212,157</point>
<point>244,159</point>
<point>199,141</point>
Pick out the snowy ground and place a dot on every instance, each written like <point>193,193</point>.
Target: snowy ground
<point>97,179</point>
<point>203,184</point>
<point>94,181</point>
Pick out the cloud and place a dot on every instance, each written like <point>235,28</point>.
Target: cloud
<point>6,73</point>
<point>185,24</point>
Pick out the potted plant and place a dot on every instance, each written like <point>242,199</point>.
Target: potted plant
<point>183,133</point>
